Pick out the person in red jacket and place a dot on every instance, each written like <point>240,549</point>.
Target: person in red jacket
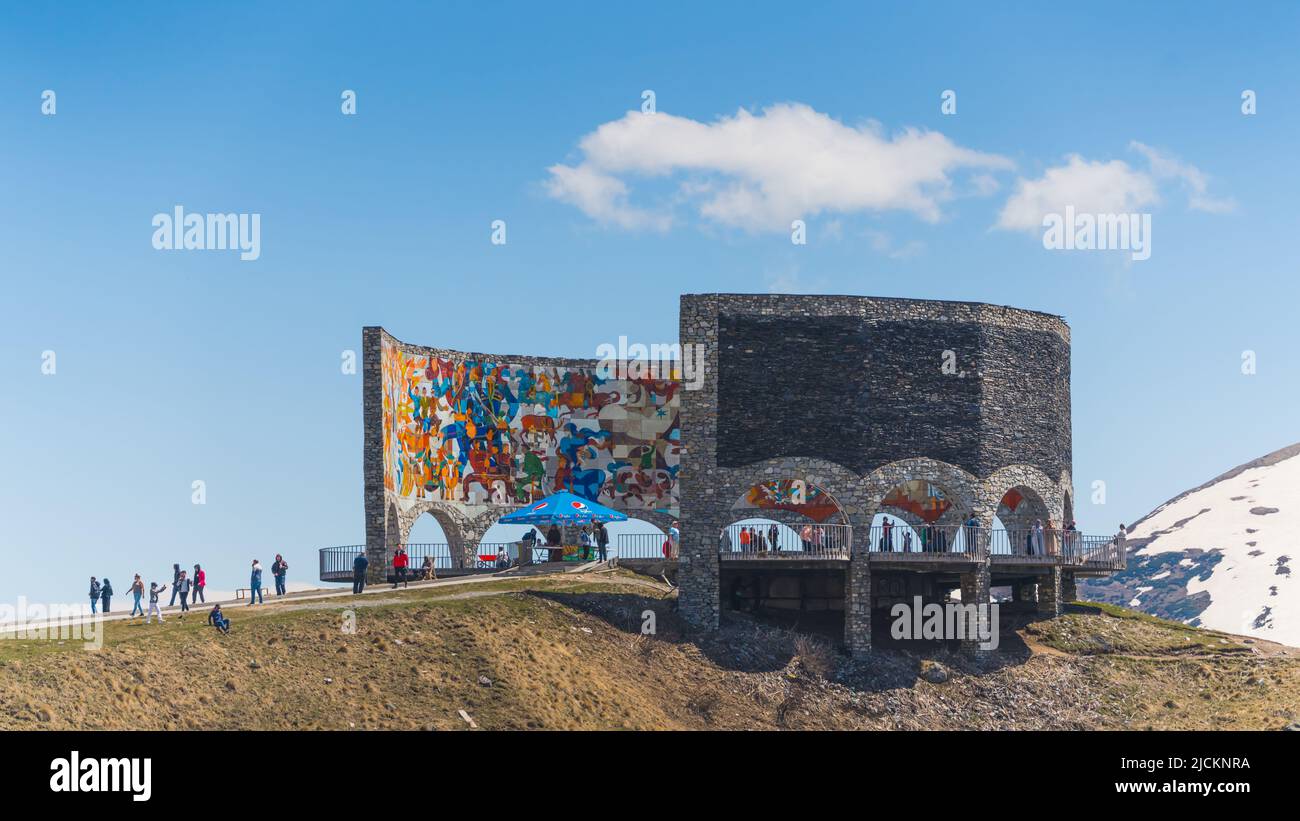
<point>200,582</point>
<point>400,560</point>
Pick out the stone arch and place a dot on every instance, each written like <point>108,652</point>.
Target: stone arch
<point>463,525</point>
<point>960,488</point>
<point>1033,484</point>
<point>837,483</point>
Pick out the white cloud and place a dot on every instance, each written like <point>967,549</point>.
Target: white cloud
<point>1091,187</point>
<point>1096,187</point>
<point>1165,167</point>
<point>761,171</point>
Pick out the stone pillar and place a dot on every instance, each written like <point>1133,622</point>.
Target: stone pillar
<point>857,605</point>
<point>699,574</point>
<point>1049,593</point>
<point>976,590</point>
<point>1069,591</point>
<point>379,529</point>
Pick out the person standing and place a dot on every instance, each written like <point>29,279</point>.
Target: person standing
<point>200,582</point>
<point>154,592</point>
<point>745,540</point>
<point>176,576</point>
<point>184,584</point>
<point>279,569</point>
<point>675,536</point>
<point>359,565</point>
<point>1038,538</point>
<point>105,594</point>
<point>255,585</point>
<point>772,533</point>
<point>94,594</point>
<point>400,561</point>
<point>137,590</point>
<point>887,539</point>
<point>805,536</point>
<point>602,541</point>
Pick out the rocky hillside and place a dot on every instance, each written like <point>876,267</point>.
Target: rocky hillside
<point>567,652</point>
<point>1220,555</point>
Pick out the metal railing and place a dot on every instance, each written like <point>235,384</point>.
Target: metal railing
<point>764,541</point>
<point>336,562</point>
<point>927,540</point>
<point>639,546</point>
<point>1054,546</point>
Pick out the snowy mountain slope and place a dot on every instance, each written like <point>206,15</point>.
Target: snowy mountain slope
<point>1221,555</point>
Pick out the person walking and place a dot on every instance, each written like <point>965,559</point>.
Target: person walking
<point>183,583</point>
<point>255,585</point>
<point>95,590</point>
<point>200,582</point>
<point>279,569</point>
<point>400,562</point>
<point>602,541</point>
<point>105,594</point>
<point>154,592</point>
<point>137,590</point>
<point>176,576</point>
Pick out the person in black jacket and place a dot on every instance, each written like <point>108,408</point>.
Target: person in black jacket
<point>94,593</point>
<point>106,593</point>
<point>176,577</point>
<point>602,541</point>
<point>279,569</point>
<point>359,565</point>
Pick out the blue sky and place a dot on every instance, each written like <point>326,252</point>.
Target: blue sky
<point>177,366</point>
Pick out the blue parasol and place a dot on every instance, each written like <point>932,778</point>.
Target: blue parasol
<point>562,508</point>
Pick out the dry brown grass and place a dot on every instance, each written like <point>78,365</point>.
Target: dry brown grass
<point>568,653</point>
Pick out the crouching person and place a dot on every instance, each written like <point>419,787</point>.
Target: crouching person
<point>218,619</point>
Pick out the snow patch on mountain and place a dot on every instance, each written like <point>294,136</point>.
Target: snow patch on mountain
<point>1219,555</point>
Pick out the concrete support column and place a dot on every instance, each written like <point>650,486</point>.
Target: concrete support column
<point>1049,593</point>
<point>976,590</point>
<point>1069,591</point>
<point>857,605</point>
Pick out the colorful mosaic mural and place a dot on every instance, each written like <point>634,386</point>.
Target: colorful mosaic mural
<point>793,495</point>
<point>919,498</point>
<point>503,433</point>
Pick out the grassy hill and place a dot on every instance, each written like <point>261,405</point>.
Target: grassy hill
<point>560,652</point>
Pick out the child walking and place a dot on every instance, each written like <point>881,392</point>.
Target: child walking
<point>154,591</point>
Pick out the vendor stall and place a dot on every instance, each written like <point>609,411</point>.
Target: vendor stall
<point>562,511</point>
